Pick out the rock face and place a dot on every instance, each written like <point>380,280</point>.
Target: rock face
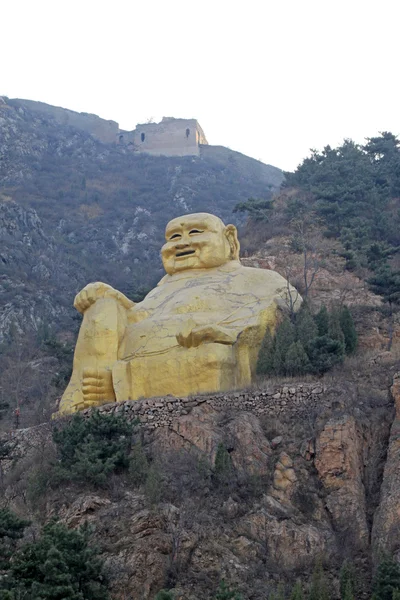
<point>385,532</point>
<point>307,462</point>
<point>339,462</point>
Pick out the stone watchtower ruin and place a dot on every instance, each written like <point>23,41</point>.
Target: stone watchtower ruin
<point>170,137</point>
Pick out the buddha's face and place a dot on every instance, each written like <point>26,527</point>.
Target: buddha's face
<point>197,241</point>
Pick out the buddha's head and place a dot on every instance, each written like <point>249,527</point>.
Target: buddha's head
<point>198,241</point>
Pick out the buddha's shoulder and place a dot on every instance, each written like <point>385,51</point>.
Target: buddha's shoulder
<point>259,275</point>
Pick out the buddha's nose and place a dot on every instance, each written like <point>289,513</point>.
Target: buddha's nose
<point>182,244</point>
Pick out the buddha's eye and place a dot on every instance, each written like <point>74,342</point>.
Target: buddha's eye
<point>176,236</point>
<point>195,231</point>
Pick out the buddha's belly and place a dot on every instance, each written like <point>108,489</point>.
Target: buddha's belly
<point>179,372</point>
<point>157,335</point>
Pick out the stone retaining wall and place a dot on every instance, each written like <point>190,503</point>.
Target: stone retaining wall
<point>160,412</point>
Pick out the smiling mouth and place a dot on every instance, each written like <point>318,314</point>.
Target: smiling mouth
<point>185,253</point>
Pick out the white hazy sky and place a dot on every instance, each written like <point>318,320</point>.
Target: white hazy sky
<point>269,78</point>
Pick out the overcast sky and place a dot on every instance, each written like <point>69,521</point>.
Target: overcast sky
<point>271,79</point>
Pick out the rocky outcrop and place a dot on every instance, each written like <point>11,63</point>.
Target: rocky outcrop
<point>339,462</point>
<point>304,457</point>
<point>386,528</point>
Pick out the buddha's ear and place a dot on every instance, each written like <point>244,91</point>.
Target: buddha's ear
<point>231,235</point>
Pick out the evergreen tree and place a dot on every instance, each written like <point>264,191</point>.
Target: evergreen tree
<point>386,283</point>
<point>387,580</point>
<point>265,360</point>
<point>280,592</point>
<point>297,592</point>
<point>325,353</point>
<point>335,330</point>
<point>306,327</point>
<point>347,581</point>
<point>226,593</point>
<point>91,449</point>
<point>76,564</point>
<point>318,587</point>
<point>349,330</point>
<point>296,360</point>
<point>138,465</point>
<point>322,321</point>
<point>285,336</point>
<point>164,595</point>
<point>57,583</point>
<point>11,530</point>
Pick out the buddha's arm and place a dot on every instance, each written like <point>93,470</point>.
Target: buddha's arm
<point>248,321</point>
<point>191,337</point>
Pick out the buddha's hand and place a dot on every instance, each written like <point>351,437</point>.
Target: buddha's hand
<point>192,336</point>
<point>97,387</point>
<point>97,290</point>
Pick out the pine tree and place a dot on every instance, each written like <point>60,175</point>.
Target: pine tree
<point>164,595</point>
<point>280,592</point>
<point>347,581</point>
<point>335,330</point>
<point>349,330</point>
<point>297,592</point>
<point>386,283</point>
<point>387,580</point>
<point>138,465</point>
<point>57,583</point>
<point>318,587</point>
<point>348,592</point>
<point>82,563</point>
<point>285,336</point>
<point>325,353</point>
<point>306,327</point>
<point>225,593</point>
<point>322,321</point>
<point>91,449</point>
<point>265,361</point>
<point>296,361</point>
<point>11,530</point>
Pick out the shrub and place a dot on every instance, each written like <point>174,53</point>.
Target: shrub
<point>349,330</point>
<point>318,587</point>
<point>154,485</point>
<point>296,360</point>
<point>223,468</point>
<point>284,337</point>
<point>297,592</point>
<point>226,593</point>
<point>325,353</point>
<point>59,565</point>
<point>322,321</point>
<point>164,595</point>
<point>302,347</point>
<point>265,361</point>
<point>387,580</point>
<point>11,529</point>
<point>138,465</point>
<point>93,448</point>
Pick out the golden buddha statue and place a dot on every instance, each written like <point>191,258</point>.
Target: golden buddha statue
<point>199,330</point>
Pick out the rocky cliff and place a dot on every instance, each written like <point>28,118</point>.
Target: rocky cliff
<point>308,461</point>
